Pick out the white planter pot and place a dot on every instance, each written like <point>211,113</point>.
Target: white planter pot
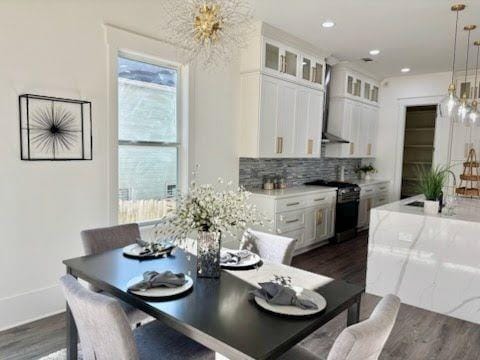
<point>365,176</point>
<point>431,207</point>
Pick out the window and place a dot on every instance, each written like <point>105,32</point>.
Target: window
<point>148,146</point>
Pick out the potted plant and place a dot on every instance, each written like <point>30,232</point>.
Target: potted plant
<point>431,184</point>
<point>208,214</point>
<point>366,171</point>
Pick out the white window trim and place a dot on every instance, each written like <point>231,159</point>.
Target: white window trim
<point>156,51</point>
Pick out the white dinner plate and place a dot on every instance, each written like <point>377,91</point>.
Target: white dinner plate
<point>160,292</point>
<point>318,299</point>
<point>134,250</point>
<point>250,261</point>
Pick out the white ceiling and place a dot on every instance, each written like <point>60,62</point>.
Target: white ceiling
<point>410,33</point>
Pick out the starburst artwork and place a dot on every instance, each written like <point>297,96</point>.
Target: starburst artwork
<point>55,129</point>
<point>209,31</point>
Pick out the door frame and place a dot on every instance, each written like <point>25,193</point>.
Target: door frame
<point>403,103</point>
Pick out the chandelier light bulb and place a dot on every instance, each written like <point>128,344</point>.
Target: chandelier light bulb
<point>449,104</point>
<point>463,111</point>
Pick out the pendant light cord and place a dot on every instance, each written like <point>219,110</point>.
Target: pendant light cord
<point>475,87</point>
<point>455,47</point>
<point>468,50</point>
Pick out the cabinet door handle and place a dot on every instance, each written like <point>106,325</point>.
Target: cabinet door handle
<point>310,147</point>
<point>320,199</point>
<point>369,149</point>
<point>369,190</point>
<point>293,203</point>
<point>466,149</point>
<point>381,199</point>
<point>279,145</point>
<point>292,221</point>
<point>352,148</point>
<point>383,188</point>
<point>314,73</point>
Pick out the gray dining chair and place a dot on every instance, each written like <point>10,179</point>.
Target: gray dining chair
<point>96,241</point>
<point>362,341</point>
<point>105,333</point>
<point>274,248</point>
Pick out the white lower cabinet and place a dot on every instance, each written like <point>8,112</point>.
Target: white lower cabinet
<point>310,219</point>
<point>371,196</point>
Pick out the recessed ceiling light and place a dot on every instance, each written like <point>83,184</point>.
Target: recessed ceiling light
<point>405,70</point>
<point>328,24</point>
<point>374,52</point>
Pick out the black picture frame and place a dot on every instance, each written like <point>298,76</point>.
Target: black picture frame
<point>55,129</point>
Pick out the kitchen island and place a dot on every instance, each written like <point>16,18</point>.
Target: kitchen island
<point>429,261</point>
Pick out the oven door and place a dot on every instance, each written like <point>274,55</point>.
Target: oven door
<point>346,219</point>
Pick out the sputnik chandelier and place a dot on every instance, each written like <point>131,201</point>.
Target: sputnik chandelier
<point>209,32</point>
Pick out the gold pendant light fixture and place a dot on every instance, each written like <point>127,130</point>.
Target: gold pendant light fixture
<point>464,109</point>
<point>474,116</point>
<point>450,103</point>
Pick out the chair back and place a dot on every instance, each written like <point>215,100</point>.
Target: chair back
<point>365,340</point>
<point>274,248</point>
<point>102,325</point>
<point>99,240</point>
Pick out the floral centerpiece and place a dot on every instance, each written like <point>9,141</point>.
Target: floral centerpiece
<point>209,214</point>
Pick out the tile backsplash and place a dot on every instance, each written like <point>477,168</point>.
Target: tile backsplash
<point>295,171</point>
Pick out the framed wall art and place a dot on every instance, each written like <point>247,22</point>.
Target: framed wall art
<point>55,129</point>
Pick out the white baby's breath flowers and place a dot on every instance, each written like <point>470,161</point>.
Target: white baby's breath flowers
<point>204,208</point>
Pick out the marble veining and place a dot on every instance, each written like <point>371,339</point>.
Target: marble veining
<point>429,261</point>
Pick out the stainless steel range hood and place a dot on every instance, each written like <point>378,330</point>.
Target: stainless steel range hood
<point>329,138</point>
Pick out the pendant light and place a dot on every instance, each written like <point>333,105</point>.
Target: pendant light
<point>464,109</point>
<point>450,103</point>
<point>474,116</point>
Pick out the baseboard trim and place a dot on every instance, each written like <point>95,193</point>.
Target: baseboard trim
<point>30,306</point>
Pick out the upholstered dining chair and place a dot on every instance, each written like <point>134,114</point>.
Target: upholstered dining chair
<point>362,341</point>
<point>96,241</point>
<point>105,333</point>
<point>275,248</point>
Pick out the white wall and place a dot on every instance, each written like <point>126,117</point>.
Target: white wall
<point>58,48</point>
<point>396,93</point>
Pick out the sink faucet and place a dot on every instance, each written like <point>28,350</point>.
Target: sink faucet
<point>454,178</point>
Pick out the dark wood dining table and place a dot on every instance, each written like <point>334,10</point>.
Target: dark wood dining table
<point>216,313</point>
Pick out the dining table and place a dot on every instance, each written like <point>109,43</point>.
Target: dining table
<point>218,313</point>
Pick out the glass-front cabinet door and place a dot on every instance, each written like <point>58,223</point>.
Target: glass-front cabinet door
<point>272,57</point>
<point>350,85</point>
<point>374,97</point>
<point>366,91</point>
<point>290,63</point>
<point>306,69</point>
<point>357,88</point>
<point>317,73</point>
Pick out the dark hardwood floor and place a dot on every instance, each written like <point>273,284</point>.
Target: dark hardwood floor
<point>418,334</point>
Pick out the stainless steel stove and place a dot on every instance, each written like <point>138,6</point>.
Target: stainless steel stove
<point>346,217</point>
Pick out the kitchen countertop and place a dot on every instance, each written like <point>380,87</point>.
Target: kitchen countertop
<point>362,182</point>
<point>292,191</point>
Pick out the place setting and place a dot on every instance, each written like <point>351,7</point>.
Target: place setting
<point>278,296</point>
<point>239,259</point>
<point>160,285</point>
<point>145,250</point>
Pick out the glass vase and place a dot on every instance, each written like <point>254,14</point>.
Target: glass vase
<point>208,254</point>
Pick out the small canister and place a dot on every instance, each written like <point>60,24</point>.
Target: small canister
<point>268,183</point>
<point>282,183</point>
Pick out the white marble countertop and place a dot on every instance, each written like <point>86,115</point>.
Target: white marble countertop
<point>292,191</point>
<point>465,209</point>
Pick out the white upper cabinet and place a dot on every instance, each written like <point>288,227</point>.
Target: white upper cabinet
<point>279,118</point>
<point>281,96</point>
<point>353,114</point>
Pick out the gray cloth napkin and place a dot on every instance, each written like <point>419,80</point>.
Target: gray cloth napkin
<point>153,279</point>
<point>234,258</point>
<point>276,294</point>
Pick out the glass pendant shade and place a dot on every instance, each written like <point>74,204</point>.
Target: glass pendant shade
<point>449,105</point>
<point>461,115</point>
<point>474,115</point>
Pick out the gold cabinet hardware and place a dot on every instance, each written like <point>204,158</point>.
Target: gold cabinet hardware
<point>352,148</point>
<point>369,149</point>
<point>319,217</point>
<point>292,221</point>
<point>279,145</point>
<point>294,203</point>
<point>310,147</point>
<point>319,199</point>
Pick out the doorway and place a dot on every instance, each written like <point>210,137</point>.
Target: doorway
<point>418,148</point>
